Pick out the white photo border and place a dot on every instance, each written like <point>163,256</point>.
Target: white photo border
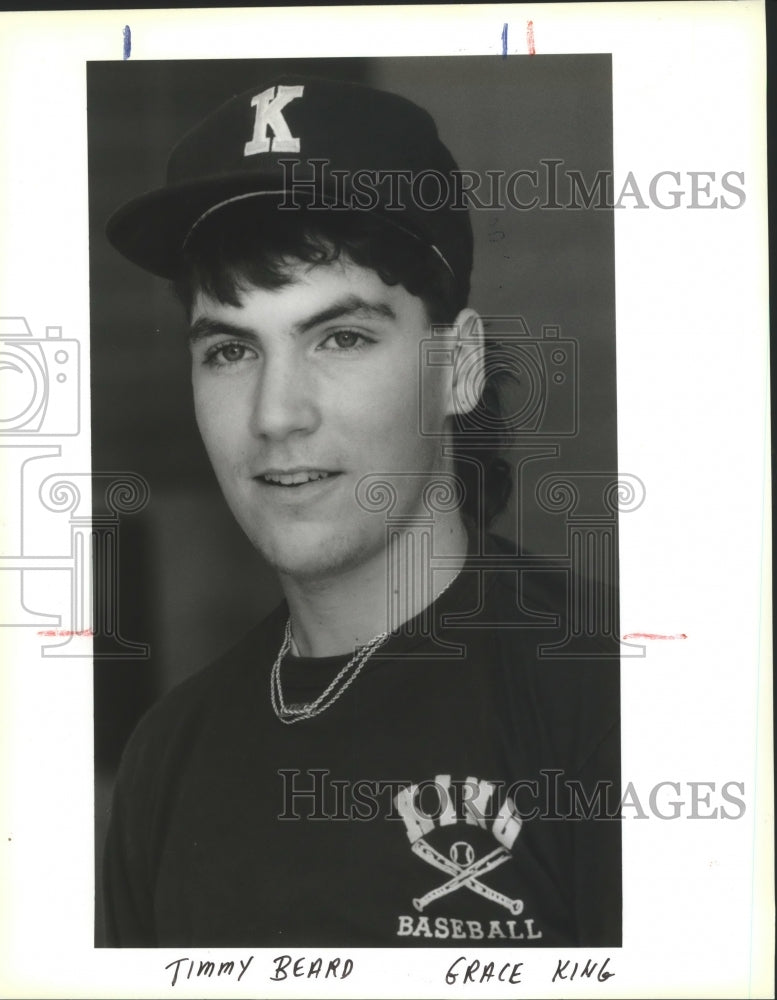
<point>692,354</point>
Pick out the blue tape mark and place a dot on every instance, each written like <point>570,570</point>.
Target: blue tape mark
<point>504,40</point>
<point>128,41</point>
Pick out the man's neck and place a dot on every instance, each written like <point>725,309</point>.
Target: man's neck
<point>333,616</point>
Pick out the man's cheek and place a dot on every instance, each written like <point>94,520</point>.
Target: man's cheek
<point>206,415</point>
<point>434,394</point>
<point>218,421</point>
<point>226,459</point>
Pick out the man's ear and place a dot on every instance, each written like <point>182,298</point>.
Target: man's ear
<point>469,365</point>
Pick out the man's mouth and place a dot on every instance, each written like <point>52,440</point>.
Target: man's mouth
<point>296,478</point>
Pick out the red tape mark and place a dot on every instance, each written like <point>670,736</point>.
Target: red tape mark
<point>530,37</point>
<point>62,631</point>
<point>654,635</point>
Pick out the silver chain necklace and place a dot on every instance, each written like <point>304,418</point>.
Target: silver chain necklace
<point>296,713</point>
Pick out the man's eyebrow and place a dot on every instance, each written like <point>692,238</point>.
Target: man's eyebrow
<point>204,326</point>
<point>351,305</point>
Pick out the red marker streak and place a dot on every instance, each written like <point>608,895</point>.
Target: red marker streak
<point>530,37</point>
<point>62,631</point>
<point>654,635</point>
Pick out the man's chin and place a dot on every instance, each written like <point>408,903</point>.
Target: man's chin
<point>304,553</point>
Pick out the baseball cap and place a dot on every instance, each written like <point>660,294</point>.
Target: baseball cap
<point>304,142</point>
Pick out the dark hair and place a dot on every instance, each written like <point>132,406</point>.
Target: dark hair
<point>252,245</point>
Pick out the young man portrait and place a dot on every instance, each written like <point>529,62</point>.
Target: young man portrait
<point>407,749</point>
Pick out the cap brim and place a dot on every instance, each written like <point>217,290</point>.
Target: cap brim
<point>151,230</point>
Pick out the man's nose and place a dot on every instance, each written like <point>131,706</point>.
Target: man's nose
<point>285,401</point>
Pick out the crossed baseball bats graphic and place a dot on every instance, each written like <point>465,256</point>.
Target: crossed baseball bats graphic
<point>464,875</point>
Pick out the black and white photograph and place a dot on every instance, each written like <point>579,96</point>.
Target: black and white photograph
<point>427,697</point>
<point>385,554</point>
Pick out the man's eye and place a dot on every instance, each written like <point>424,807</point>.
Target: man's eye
<point>222,355</point>
<point>345,340</point>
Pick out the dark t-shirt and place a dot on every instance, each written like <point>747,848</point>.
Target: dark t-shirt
<point>441,798</point>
